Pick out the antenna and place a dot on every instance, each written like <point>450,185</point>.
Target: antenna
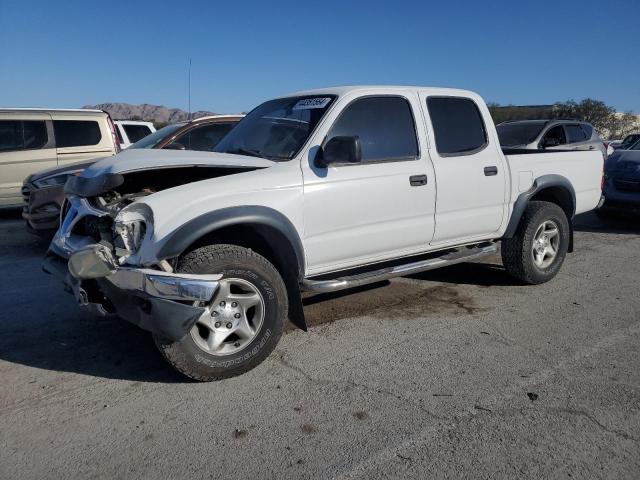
<point>189,95</point>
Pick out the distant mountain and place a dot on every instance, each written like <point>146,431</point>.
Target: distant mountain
<point>146,112</point>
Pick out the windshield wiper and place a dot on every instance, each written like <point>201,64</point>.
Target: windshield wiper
<point>244,151</point>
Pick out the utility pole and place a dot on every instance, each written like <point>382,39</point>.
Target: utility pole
<point>189,95</point>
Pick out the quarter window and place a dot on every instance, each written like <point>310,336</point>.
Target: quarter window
<point>457,125</point>
<point>76,133</point>
<point>22,135</point>
<point>575,134</point>
<point>384,125</point>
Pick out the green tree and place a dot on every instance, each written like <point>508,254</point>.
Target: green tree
<point>595,112</point>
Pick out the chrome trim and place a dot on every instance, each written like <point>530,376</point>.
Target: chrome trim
<point>459,256</point>
<point>64,242</point>
<point>169,286</point>
<point>97,261</point>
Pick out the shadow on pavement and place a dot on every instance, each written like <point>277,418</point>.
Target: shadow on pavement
<point>613,222</point>
<point>106,348</point>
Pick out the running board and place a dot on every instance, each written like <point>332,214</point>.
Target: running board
<point>461,255</point>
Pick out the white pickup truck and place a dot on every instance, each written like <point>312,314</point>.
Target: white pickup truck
<point>314,191</point>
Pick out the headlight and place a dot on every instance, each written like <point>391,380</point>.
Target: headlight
<point>54,180</point>
<point>51,181</point>
<point>130,227</point>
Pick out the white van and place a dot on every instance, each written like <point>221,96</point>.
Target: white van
<point>35,139</point>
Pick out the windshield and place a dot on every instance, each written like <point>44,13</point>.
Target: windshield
<point>630,141</point>
<point>512,134</point>
<point>156,137</point>
<point>277,129</point>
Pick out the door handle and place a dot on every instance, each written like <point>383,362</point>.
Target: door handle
<point>591,147</point>
<point>490,171</point>
<point>417,180</point>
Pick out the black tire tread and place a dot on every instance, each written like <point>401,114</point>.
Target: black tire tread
<point>515,251</point>
<point>214,254</point>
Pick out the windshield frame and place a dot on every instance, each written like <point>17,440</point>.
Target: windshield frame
<point>332,102</point>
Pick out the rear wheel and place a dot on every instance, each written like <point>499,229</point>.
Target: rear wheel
<point>537,250</point>
<point>242,323</point>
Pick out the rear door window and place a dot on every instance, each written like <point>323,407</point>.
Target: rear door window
<point>457,125</point>
<point>76,133</point>
<point>588,130</point>
<point>557,133</point>
<point>204,138</point>
<point>22,135</point>
<point>136,132</point>
<point>575,134</point>
<point>384,125</point>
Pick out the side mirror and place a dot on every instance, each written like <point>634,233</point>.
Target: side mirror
<point>175,146</point>
<point>339,150</point>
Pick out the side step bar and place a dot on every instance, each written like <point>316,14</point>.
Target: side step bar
<point>461,255</point>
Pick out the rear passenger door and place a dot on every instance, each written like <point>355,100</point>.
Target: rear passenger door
<point>82,138</point>
<point>26,146</point>
<point>470,170</point>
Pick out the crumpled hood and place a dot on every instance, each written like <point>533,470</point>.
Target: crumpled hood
<point>61,169</point>
<point>625,163</point>
<point>145,159</point>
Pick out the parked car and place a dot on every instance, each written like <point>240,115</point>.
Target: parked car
<point>550,135</point>
<point>43,191</point>
<point>316,191</point>
<point>34,139</point>
<point>621,188</point>
<point>628,141</point>
<point>130,131</point>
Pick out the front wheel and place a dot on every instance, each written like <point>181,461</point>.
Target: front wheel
<point>537,250</point>
<point>242,323</point>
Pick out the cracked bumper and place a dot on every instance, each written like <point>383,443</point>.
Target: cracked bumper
<point>157,301</point>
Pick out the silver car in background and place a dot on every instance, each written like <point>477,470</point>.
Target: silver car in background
<point>550,135</point>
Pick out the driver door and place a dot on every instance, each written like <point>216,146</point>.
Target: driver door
<point>379,208</point>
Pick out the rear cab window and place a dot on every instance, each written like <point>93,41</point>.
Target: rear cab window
<point>458,126</point>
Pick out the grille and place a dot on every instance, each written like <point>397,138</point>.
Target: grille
<point>26,195</point>
<point>625,185</point>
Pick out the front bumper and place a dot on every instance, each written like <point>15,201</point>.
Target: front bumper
<point>160,302</point>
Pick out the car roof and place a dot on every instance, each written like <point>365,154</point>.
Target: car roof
<point>79,111</point>
<point>342,90</point>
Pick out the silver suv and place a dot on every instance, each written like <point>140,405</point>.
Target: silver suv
<point>550,135</point>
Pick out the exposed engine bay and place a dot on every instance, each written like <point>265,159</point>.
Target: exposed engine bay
<point>110,193</point>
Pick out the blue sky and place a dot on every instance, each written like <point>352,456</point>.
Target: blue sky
<point>67,54</point>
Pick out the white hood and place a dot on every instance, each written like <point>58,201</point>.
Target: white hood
<point>145,159</point>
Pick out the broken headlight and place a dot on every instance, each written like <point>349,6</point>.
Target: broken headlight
<point>130,228</point>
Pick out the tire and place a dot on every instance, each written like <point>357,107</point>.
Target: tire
<point>245,275</point>
<point>518,255</point>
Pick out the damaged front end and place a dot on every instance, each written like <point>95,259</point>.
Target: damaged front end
<point>94,253</point>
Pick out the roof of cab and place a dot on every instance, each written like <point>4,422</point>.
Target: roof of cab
<point>342,90</point>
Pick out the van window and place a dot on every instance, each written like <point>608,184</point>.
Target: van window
<point>22,135</point>
<point>457,125</point>
<point>76,133</point>
<point>385,127</point>
<point>136,132</point>
<point>575,133</point>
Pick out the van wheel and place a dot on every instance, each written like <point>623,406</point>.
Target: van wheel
<point>244,319</point>
<point>537,250</point>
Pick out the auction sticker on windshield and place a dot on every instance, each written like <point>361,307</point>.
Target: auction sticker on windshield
<point>308,103</point>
